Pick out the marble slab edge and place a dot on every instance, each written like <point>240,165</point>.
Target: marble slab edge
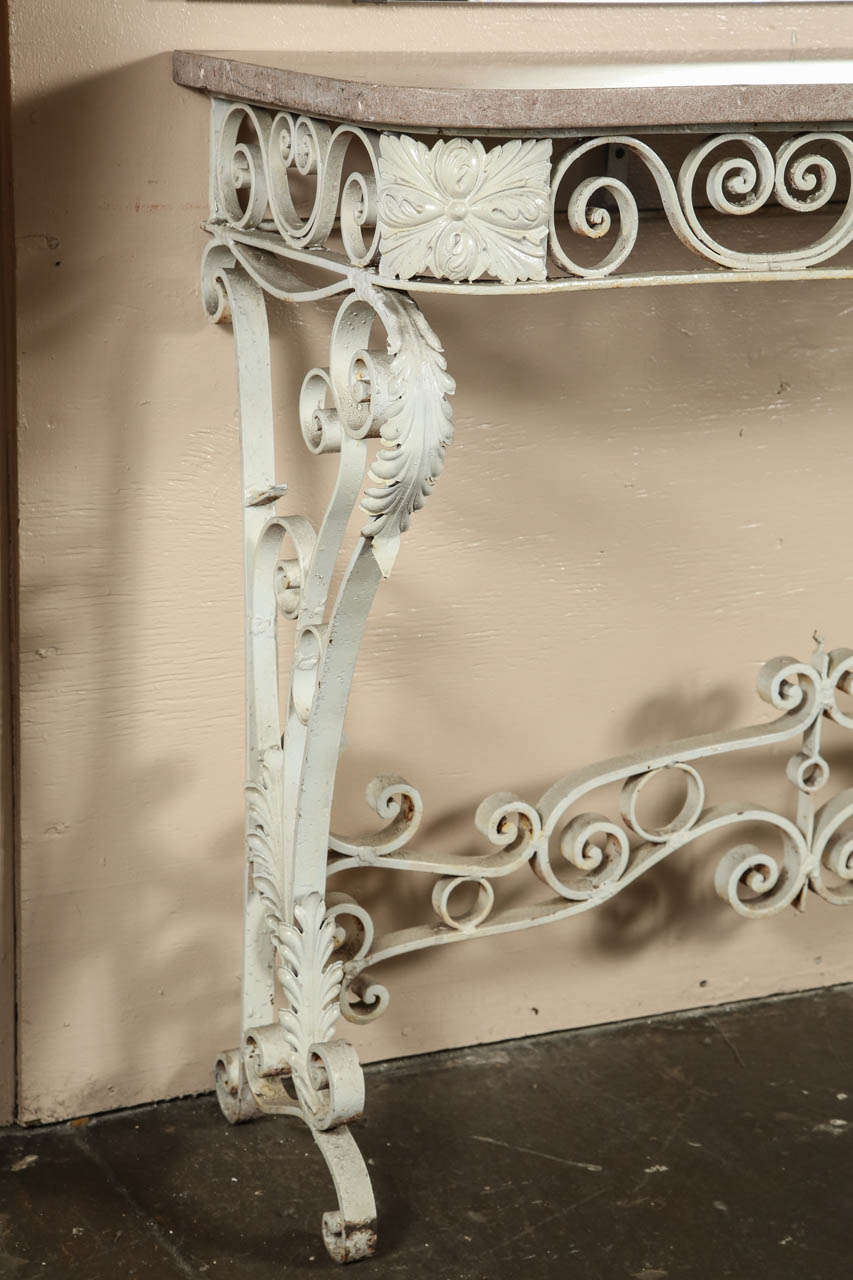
<point>515,110</point>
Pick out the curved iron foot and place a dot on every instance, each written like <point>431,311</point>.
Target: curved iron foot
<point>349,1232</point>
<point>233,1094</point>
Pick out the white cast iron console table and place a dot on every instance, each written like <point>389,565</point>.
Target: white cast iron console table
<point>378,181</point>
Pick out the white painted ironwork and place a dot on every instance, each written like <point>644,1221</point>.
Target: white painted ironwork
<point>585,857</point>
<point>461,210</point>
<point>458,211</point>
<point>447,215</point>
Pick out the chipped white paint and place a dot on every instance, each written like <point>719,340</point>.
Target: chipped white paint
<point>460,210</point>
<point>743,177</point>
<point>585,857</point>
<point>398,395</point>
<point>456,211</point>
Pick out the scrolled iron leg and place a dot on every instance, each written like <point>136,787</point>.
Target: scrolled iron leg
<point>229,294</point>
<point>290,1062</point>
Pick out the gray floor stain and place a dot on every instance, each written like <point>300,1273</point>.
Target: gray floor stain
<point>650,1150</point>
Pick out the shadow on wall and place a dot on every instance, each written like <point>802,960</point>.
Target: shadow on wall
<point>676,899</point>
<point>127,949</point>
<point>131,617</point>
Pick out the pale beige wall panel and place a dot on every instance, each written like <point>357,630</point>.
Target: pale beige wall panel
<point>646,498</point>
<point>8,538</point>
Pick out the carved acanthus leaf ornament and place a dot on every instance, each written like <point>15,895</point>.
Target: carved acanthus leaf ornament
<point>415,432</point>
<point>312,984</point>
<point>461,212</point>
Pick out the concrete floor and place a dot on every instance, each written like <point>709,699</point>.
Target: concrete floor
<point>717,1144</point>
